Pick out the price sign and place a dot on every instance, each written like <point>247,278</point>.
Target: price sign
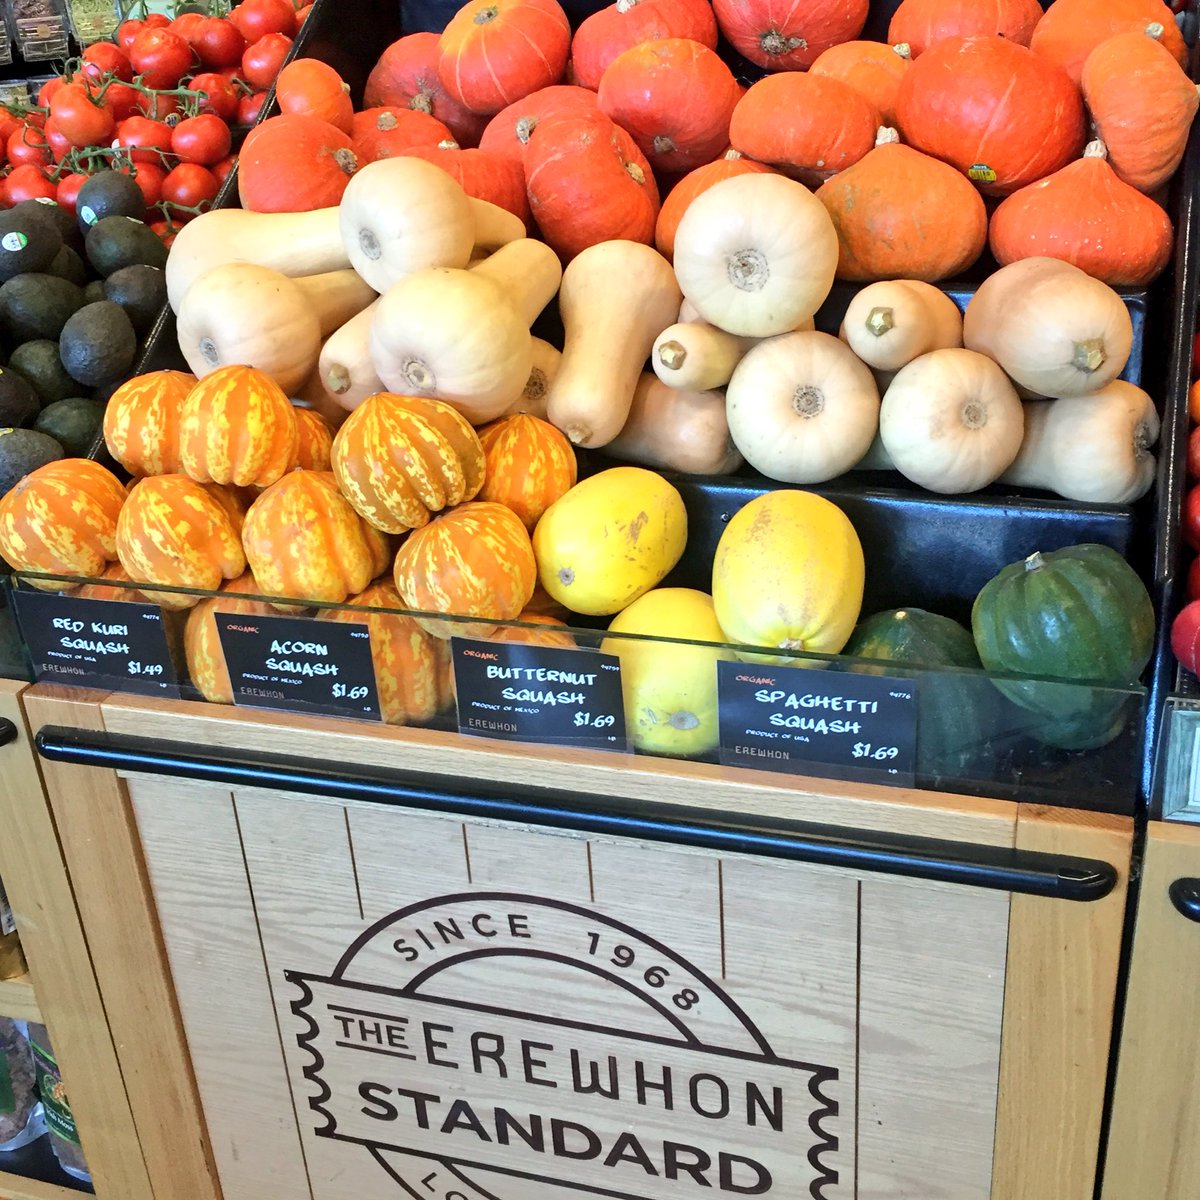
<point>113,644</point>
<point>539,694</point>
<point>835,724</point>
<point>299,665</point>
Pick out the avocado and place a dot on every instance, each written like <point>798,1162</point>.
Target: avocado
<point>22,451</point>
<point>56,214</point>
<point>28,242</point>
<point>109,194</point>
<point>19,403</point>
<point>94,291</point>
<point>98,344</point>
<point>39,363</point>
<point>141,291</point>
<point>37,306</point>
<point>69,266</point>
<point>72,423</point>
<point>117,242</point>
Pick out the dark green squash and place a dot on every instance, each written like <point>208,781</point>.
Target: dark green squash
<point>1081,615</point>
<point>956,711</point>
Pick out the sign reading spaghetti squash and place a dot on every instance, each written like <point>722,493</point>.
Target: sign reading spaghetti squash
<point>463,1099</point>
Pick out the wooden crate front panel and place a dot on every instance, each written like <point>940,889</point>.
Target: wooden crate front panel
<point>417,1007</point>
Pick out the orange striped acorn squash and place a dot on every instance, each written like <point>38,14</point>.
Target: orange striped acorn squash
<point>202,641</point>
<point>141,422</point>
<point>551,632</point>
<point>530,464</point>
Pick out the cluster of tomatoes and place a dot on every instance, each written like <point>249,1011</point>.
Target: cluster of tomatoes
<point>158,103</point>
<point>1185,631</point>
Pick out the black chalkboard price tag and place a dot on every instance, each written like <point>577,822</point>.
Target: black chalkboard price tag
<point>522,693</point>
<point>114,644</point>
<point>833,724</point>
<point>299,665</point>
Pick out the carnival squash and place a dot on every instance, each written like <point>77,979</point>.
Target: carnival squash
<point>609,32</point>
<point>922,23</point>
<point>1080,615</point>
<point>173,531</point>
<point>788,575</point>
<point>314,439</point>
<point>787,35</point>
<point>873,69</point>
<point>616,297</point>
<point>207,669</point>
<point>113,583</point>
<point>62,520</point>
<point>304,541</point>
<point>530,464</point>
<point>994,110</point>
<point>141,422</point>
<point>756,254</point>
<point>1086,215</point>
<point>401,459</point>
<point>535,629</point>
<point>413,675</point>
<point>473,561</point>
<point>610,539</point>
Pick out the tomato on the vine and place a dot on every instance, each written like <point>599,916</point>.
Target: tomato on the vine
<point>128,30</point>
<point>122,100</point>
<point>102,60</point>
<point>1193,580</point>
<point>218,42</point>
<point>166,231</point>
<point>1191,518</point>
<point>79,118</point>
<point>263,60</point>
<point>48,89</point>
<point>302,15</point>
<point>67,192</point>
<point>190,186</point>
<point>249,107</point>
<point>218,95</point>
<point>161,57</point>
<point>186,24</point>
<point>60,144</point>
<point>27,182</point>
<point>149,177</point>
<point>256,18</point>
<point>9,122</point>
<point>223,169</point>
<point>149,140</point>
<point>28,145</point>
<point>204,139</point>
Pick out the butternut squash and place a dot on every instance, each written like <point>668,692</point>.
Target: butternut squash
<point>346,374</point>
<point>890,323</point>
<point>312,394</point>
<point>305,243</point>
<point>335,297</point>
<point>688,312</point>
<point>697,356</point>
<point>527,272</point>
<point>616,298</point>
<point>546,361</point>
<point>802,408</point>
<point>672,429</point>
<point>1093,448</point>
<point>494,226</point>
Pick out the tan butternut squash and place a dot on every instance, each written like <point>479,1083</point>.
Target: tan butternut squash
<point>528,272</point>
<point>697,356</point>
<point>336,296</point>
<point>673,429</point>
<point>345,372</point>
<point>546,361</point>
<point>689,312</point>
<point>494,226</point>
<point>891,322</point>
<point>616,298</point>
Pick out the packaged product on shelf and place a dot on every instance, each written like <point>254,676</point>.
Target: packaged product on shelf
<point>12,960</point>
<point>38,28</point>
<point>64,1137</point>
<point>21,1120</point>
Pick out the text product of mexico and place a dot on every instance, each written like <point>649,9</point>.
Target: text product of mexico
<point>431,1048</point>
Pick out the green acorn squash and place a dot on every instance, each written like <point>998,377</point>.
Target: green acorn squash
<point>956,711</point>
<point>1080,615</point>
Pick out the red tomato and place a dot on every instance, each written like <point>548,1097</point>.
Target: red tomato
<point>149,177</point>
<point>122,100</point>
<point>166,230</point>
<point>28,182</point>
<point>219,43</point>
<point>149,140</point>
<point>203,139</point>
<point>80,119</point>
<point>190,186</point>
<point>186,24</point>
<point>160,106</point>
<point>1185,637</point>
<point>1193,580</point>
<point>256,18</point>
<point>67,193</point>
<point>1191,518</point>
<point>1196,356</point>
<point>103,60</point>
<point>219,95</point>
<point>263,60</point>
<point>47,90</point>
<point>249,107</point>
<point>302,15</point>
<point>60,144</point>
<point>127,31</point>
<point>8,123</point>
<point>1193,454</point>
<point>28,145</point>
<point>223,169</point>
<point>161,57</point>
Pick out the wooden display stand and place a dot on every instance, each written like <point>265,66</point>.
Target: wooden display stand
<point>387,991</point>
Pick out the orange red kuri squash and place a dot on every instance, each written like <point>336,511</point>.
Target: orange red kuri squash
<point>304,541</point>
<point>900,214</point>
<point>1085,215</point>
<point>588,183</point>
<point>387,131</point>
<point>493,52</point>
<point>400,459</point>
<point>530,464</point>
<point>294,164</point>
<point>995,110</point>
<point>237,426</point>
<point>508,132</point>
<point>873,69</point>
<point>480,173</point>
<point>922,23</point>
<point>474,561</point>
<point>62,520</point>
<point>413,675</point>
<point>311,88</point>
<point>202,640</point>
<point>676,97</point>
<point>173,531</point>
<point>628,23</point>
<point>1142,103</point>
<point>808,126</point>
<point>141,422</point>
<point>788,35</point>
